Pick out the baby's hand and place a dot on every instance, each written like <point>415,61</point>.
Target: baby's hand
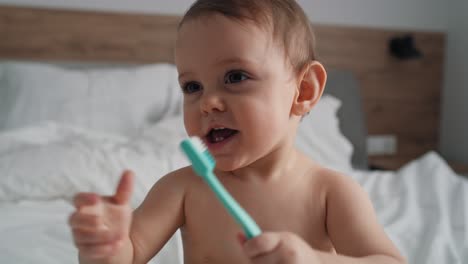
<point>101,224</point>
<point>281,247</point>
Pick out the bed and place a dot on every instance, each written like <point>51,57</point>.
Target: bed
<point>77,108</point>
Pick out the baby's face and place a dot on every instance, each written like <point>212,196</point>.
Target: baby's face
<point>238,89</point>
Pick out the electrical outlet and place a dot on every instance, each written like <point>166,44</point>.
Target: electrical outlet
<point>381,145</point>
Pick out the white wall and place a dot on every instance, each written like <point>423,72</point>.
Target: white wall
<point>404,14</point>
<point>454,129</point>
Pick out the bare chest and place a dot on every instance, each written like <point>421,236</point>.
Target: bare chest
<point>210,233</point>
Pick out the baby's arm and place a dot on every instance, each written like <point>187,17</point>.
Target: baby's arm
<point>353,226</point>
<point>152,224</point>
<point>159,216</point>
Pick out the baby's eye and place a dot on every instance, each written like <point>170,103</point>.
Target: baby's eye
<point>235,77</point>
<point>191,87</point>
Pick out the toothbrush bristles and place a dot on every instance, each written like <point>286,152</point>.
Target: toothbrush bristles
<point>198,143</point>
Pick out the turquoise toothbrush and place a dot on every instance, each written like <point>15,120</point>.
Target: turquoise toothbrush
<point>203,164</point>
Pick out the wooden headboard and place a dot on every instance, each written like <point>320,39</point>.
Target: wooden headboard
<point>401,98</point>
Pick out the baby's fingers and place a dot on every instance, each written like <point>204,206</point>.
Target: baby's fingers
<point>93,251</point>
<point>85,199</point>
<point>84,236</point>
<point>124,188</point>
<point>263,244</point>
<point>85,221</point>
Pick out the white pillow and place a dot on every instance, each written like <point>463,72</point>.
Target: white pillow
<point>117,100</point>
<point>52,161</point>
<point>319,136</point>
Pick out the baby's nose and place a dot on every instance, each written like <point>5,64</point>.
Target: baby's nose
<point>212,102</point>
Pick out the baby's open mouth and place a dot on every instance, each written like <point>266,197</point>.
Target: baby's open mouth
<point>217,135</point>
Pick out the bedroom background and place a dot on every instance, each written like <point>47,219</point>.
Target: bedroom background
<point>407,16</point>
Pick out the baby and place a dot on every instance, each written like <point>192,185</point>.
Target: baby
<point>248,74</point>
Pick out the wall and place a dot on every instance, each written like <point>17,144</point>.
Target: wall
<point>454,132</point>
<point>402,14</point>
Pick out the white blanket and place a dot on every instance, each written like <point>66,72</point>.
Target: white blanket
<point>37,232</point>
<point>423,206</point>
<point>43,167</point>
<point>424,209</point>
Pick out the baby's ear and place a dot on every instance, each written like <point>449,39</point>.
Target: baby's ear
<point>311,84</point>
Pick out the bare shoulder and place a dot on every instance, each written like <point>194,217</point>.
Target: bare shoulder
<point>337,183</point>
<point>342,193</point>
<point>178,179</point>
<point>331,182</point>
<point>327,181</point>
<point>170,188</point>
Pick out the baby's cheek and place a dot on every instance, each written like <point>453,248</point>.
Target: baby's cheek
<point>191,124</point>
<point>266,130</point>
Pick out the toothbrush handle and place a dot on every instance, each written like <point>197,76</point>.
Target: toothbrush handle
<point>251,228</point>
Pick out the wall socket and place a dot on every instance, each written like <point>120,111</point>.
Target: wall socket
<point>381,145</point>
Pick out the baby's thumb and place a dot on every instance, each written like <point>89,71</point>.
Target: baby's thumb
<point>125,188</point>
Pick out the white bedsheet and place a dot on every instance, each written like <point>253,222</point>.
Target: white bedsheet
<point>37,232</point>
<point>42,167</point>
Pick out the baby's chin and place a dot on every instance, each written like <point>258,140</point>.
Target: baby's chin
<point>227,165</point>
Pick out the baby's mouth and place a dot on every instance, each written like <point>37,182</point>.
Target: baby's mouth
<point>217,135</point>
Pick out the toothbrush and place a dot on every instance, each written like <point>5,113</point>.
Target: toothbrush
<point>203,164</point>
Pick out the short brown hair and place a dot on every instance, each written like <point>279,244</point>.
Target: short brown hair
<point>286,18</point>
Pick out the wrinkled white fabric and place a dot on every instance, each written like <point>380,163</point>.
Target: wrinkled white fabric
<point>53,161</point>
<point>424,209</point>
<point>37,232</point>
